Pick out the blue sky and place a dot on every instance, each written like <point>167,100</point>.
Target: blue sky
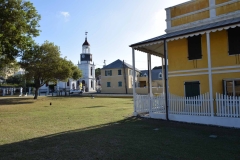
<point>112,25</point>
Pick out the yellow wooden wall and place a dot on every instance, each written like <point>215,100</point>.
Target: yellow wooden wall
<point>228,8</point>
<point>221,1</point>
<point>178,61</point>
<point>190,18</point>
<point>188,7</point>
<point>196,5</point>
<point>219,50</point>
<point>178,55</point>
<point>176,84</point>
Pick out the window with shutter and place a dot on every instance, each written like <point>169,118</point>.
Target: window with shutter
<point>234,41</point>
<point>108,73</point>
<point>194,47</point>
<point>192,89</point>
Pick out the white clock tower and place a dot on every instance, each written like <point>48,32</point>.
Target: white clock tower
<point>87,67</point>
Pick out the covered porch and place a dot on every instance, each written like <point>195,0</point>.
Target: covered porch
<point>208,108</point>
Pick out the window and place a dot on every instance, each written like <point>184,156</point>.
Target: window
<point>108,73</point>
<point>160,75</point>
<point>231,87</point>
<point>194,47</point>
<point>91,71</point>
<point>234,41</point>
<point>119,84</point>
<point>91,84</point>
<point>119,72</point>
<point>130,72</point>
<point>108,84</point>
<point>192,89</point>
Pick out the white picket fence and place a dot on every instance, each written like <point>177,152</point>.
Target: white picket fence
<point>158,104</point>
<point>198,106</point>
<point>227,106</point>
<point>142,103</point>
<point>146,103</point>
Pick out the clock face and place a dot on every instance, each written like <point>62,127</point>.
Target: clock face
<point>83,56</point>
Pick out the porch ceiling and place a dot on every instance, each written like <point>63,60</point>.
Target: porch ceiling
<point>156,48</point>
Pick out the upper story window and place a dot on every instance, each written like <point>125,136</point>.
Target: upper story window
<point>130,72</point>
<point>108,73</point>
<point>119,72</point>
<point>234,41</point>
<point>194,47</point>
<point>160,75</point>
<point>91,71</point>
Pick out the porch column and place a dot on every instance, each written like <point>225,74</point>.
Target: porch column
<point>210,71</point>
<point>163,85</point>
<point>134,83</point>
<point>166,78</point>
<point>149,74</point>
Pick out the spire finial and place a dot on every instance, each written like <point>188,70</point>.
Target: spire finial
<point>86,34</point>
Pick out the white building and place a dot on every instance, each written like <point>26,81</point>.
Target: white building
<point>88,68</point>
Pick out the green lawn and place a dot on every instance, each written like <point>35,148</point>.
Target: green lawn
<point>102,128</point>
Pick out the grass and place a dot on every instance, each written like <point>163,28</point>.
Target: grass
<point>102,128</point>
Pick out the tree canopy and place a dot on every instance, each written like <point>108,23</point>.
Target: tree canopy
<point>43,64</point>
<point>18,25</point>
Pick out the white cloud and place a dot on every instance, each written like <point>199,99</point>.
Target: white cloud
<point>66,15</point>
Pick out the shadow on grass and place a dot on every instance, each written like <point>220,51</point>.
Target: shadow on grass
<point>131,138</point>
<point>95,107</point>
<point>15,101</point>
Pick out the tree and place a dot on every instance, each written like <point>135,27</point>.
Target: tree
<point>97,72</point>
<point>17,79</point>
<point>18,25</point>
<point>9,69</point>
<point>43,64</point>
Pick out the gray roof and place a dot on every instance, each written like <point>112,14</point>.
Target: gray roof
<point>154,72</point>
<point>191,30</point>
<point>118,64</point>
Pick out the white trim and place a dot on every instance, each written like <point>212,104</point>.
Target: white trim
<point>204,69</point>
<point>192,70</point>
<point>212,10</point>
<point>148,44</point>
<point>190,74</point>
<point>203,32</point>
<point>210,72</point>
<point>134,82</point>
<point>202,73</point>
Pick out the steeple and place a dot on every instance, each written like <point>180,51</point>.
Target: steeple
<point>86,42</point>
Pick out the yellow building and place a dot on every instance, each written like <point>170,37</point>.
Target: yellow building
<point>202,49</point>
<point>117,77</point>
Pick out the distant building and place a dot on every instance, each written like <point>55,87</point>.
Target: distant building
<point>117,77</point>
<point>88,68</point>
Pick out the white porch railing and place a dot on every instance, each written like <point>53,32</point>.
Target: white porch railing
<point>227,106</point>
<point>198,106</point>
